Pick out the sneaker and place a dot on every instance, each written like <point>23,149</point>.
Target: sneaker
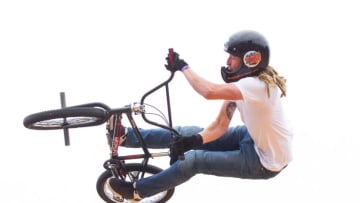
<point>121,188</point>
<point>110,132</point>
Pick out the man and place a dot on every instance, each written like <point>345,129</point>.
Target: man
<point>260,149</point>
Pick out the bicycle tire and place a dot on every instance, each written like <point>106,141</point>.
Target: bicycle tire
<point>108,197</point>
<point>71,117</point>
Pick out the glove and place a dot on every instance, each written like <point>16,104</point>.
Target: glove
<point>178,64</point>
<point>183,144</point>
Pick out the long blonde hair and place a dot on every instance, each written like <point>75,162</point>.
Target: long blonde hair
<point>271,78</point>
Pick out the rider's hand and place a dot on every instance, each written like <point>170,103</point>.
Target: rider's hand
<point>177,64</point>
<point>183,144</point>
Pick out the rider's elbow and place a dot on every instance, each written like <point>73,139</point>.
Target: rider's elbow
<point>207,94</point>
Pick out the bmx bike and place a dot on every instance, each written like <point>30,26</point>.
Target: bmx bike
<point>92,114</point>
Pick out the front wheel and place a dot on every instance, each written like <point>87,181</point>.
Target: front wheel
<point>71,117</point>
<point>133,172</point>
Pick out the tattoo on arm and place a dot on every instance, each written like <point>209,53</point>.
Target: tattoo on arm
<point>230,109</point>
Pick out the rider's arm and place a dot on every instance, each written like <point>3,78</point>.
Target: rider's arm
<point>210,90</point>
<point>218,127</point>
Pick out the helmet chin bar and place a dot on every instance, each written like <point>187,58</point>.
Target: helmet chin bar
<point>242,72</point>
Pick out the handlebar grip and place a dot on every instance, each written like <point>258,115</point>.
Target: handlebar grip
<point>171,56</point>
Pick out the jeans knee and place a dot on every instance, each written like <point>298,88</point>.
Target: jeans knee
<point>187,166</point>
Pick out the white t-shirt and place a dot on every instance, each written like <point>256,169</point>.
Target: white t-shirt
<point>266,122</point>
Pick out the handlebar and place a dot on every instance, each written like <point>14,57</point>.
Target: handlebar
<point>136,108</point>
<point>166,85</point>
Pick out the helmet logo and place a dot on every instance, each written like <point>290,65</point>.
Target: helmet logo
<point>252,58</point>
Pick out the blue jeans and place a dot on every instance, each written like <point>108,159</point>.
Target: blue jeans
<point>232,155</point>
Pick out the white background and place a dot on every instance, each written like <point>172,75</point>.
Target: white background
<point>113,52</point>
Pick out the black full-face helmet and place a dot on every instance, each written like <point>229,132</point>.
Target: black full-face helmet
<point>252,48</point>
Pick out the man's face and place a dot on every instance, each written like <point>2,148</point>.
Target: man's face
<point>233,63</point>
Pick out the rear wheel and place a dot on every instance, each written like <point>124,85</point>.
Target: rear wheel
<point>133,172</point>
<point>65,118</point>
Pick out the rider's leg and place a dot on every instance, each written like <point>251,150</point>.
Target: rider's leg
<point>231,140</point>
<point>241,162</point>
<point>158,137</point>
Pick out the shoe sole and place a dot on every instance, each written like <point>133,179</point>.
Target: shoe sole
<point>116,195</point>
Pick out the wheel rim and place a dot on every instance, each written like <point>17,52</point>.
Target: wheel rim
<point>60,122</point>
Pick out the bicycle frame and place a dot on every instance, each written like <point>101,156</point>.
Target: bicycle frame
<point>115,164</point>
